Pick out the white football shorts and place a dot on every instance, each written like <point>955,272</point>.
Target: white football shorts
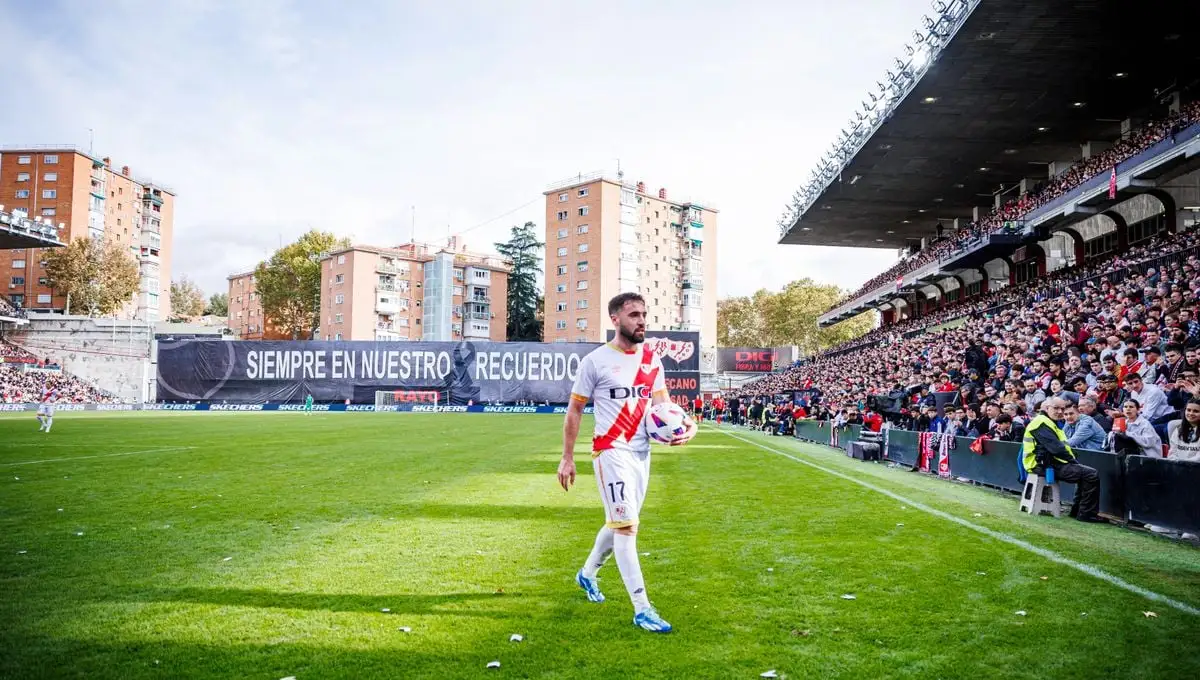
<point>622,477</point>
<point>46,410</point>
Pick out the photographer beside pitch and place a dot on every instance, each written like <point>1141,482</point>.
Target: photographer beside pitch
<point>622,379</point>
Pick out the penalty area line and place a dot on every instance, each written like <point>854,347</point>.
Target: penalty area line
<point>991,533</point>
<point>102,455</point>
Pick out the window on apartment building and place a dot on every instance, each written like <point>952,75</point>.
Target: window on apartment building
<point>22,193</point>
<point>655,266</point>
<point>43,281</point>
<point>560,307</point>
<point>50,177</point>
<point>561,325</point>
<point>458,275</point>
<point>43,298</point>
<point>583,192</point>
<point>583,247</point>
<point>482,274</point>
<point>562,233</point>
<point>562,252</point>
<point>338,278</point>
<point>48,212</point>
<point>50,158</point>
<point>562,215</point>
<point>253,313</point>
<point>339,299</point>
<point>402,322</point>
<point>582,304</point>
<point>337,318</point>
<point>22,176</point>
<point>582,285</point>
<point>18,281</point>
<point>562,269</point>
<point>23,160</point>
<point>458,290</point>
<point>562,288</point>
<point>337,336</point>
<point>49,193</point>
<point>563,197</point>
<point>17,299</point>
<point>252,296</point>
<point>239,314</point>
<point>238,300</point>
<point>18,264</point>
<point>583,267</point>
<point>341,259</point>
<point>581,229</point>
<point>583,211</point>
<point>581,323</point>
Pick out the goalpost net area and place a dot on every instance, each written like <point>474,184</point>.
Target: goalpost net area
<point>391,400</point>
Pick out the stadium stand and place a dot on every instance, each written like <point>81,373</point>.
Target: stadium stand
<point>1015,209</point>
<point>23,376</point>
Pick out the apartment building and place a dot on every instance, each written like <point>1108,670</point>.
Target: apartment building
<point>85,197</point>
<point>246,318</point>
<point>414,291</point>
<point>605,236</point>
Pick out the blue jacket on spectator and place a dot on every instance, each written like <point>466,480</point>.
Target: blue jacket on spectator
<point>1085,433</point>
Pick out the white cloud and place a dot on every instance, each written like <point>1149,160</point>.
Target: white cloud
<point>270,117</point>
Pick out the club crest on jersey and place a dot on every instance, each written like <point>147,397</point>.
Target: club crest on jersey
<point>620,512</point>
<point>639,391</point>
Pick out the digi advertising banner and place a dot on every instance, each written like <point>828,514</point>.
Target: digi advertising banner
<point>287,371</point>
<point>679,352</point>
<point>745,359</point>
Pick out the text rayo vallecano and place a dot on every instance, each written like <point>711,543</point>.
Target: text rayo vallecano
<point>406,365</point>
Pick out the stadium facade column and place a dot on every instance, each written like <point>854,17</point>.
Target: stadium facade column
<point>1094,148</point>
<point>983,281</point>
<point>1170,209</point>
<point>1077,240</point>
<point>1122,229</point>
<point>1012,270</point>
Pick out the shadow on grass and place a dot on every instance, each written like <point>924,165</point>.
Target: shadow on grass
<point>332,602</point>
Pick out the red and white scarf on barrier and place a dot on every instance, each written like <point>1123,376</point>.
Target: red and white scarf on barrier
<point>929,445</point>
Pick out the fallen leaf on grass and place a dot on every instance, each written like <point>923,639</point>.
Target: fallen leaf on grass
<point>405,629</point>
<point>1150,615</point>
<point>849,597</point>
<point>78,533</point>
<point>981,573</point>
<point>899,524</point>
<point>770,569</point>
<point>1045,578</point>
<point>978,514</point>
<point>1020,613</point>
<point>385,610</point>
<point>499,591</point>
<point>491,664</point>
<point>226,559</point>
<point>516,637</point>
<point>769,674</point>
<point>22,552</point>
<point>800,633</point>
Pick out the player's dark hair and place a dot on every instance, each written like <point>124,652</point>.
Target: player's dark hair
<point>615,304</point>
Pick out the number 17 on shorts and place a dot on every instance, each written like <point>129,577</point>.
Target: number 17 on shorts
<point>622,478</point>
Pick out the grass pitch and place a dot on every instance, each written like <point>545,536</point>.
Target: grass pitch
<point>167,545</point>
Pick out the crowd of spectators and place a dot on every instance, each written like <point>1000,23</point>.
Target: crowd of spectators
<point>21,386</point>
<point>1015,209</point>
<point>10,310</point>
<point>1118,338</point>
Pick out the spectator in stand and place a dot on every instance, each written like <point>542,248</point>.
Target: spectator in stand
<point>1006,430</point>
<point>1045,447</point>
<point>1082,430</point>
<point>1088,407</point>
<point>1183,436</point>
<point>1138,437</point>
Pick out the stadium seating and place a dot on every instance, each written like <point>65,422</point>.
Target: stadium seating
<point>20,386</point>
<point>1141,139</point>
<point>1138,295</point>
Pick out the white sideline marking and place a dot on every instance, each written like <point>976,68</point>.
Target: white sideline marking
<point>1048,554</point>
<point>102,455</point>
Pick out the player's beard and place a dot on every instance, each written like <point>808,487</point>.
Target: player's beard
<point>635,337</point>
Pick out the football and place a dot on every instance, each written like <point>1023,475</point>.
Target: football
<point>664,422</point>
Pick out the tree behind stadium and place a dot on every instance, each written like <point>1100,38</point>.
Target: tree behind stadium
<point>787,317</point>
<point>289,284</point>
<point>524,250</point>
<point>187,299</point>
<point>218,305</point>
<point>98,277</point>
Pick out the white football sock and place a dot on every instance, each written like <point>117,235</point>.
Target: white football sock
<point>600,552</point>
<point>625,548</point>
<point>49,422</point>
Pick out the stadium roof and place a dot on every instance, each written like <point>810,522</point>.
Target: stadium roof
<point>18,231</point>
<point>1018,86</point>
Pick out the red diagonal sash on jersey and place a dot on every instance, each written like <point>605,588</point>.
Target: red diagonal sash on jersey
<point>630,418</point>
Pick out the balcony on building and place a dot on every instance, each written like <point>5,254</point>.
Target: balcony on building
<point>484,330</point>
<point>385,324</point>
<point>473,278</point>
<point>151,225</point>
<point>385,285</point>
<point>154,197</point>
<point>387,305</point>
<point>693,283</point>
<point>384,266</point>
<point>478,295</point>
<point>149,254</point>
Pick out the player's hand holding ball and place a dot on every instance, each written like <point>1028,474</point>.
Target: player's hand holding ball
<point>667,423</point>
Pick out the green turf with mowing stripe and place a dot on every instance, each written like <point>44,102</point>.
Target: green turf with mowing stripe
<point>454,523</point>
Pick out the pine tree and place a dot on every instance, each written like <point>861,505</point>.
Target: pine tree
<point>524,250</point>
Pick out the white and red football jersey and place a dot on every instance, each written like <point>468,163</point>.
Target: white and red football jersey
<point>620,385</point>
<point>49,396</point>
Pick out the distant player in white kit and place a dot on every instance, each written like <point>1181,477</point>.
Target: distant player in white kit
<point>622,379</point>
<point>45,412</point>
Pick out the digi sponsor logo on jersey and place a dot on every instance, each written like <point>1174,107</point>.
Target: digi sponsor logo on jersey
<point>510,409</point>
<point>420,408</point>
<point>639,391</point>
<point>236,407</point>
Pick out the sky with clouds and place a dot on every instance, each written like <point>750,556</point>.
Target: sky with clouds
<point>270,117</point>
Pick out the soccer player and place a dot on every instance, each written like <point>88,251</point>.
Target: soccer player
<point>622,379</point>
<point>45,412</point>
<point>308,404</point>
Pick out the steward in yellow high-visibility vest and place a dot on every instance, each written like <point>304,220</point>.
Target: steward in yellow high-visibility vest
<point>1045,446</point>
